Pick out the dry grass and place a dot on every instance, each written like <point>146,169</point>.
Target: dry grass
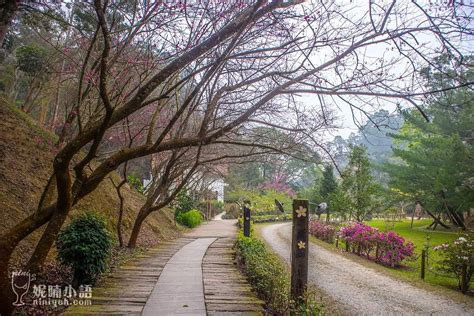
<point>26,154</point>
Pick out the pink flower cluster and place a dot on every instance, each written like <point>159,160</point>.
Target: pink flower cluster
<point>389,247</point>
<point>322,231</point>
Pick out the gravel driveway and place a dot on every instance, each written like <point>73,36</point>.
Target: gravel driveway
<point>361,290</point>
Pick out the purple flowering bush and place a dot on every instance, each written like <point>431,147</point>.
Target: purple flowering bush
<point>358,237</point>
<point>458,259</point>
<point>322,231</point>
<point>389,248</point>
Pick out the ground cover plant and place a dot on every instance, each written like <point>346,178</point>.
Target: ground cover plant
<point>265,272</point>
<point>262,200</point>
<point>269,277</point>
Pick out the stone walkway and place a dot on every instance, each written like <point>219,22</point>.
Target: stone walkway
<point>193,275</point>
<point>179,289</point>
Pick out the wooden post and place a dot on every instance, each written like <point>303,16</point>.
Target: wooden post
<point>246,221</point>
<point>423,264</point>
<point>464,279</point>
<point>299,249</point>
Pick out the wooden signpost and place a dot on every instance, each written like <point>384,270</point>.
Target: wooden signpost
<point>299,249</point>
<point>246,220</point>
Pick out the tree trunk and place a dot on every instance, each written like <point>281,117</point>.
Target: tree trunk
<point>46,242</point>
<point>29,96</point>
<point>8,242</point>
<point>7,12</point>
<point>457,219</point>
<point>77,278</point>
<point>142,215</point>
<point>64,206</point>
<point>119,224</point>
<point>437,221</point>
<point>6,293</point>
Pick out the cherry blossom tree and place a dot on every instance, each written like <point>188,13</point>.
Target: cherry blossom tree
<point>197,74</point>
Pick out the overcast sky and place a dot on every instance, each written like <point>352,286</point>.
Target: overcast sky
<point>348,120</point>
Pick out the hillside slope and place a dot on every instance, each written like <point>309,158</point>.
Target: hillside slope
<point>26,153</point>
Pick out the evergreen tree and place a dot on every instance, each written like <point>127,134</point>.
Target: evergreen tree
<point>435,163</point>
<point>358,184</point>
<point>328,184</point>
<point>339,203</point>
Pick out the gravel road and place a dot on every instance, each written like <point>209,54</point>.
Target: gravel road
<point>361,290</point>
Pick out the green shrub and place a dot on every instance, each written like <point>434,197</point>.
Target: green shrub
<point>268,276</point>
<point>84,245</point>
<point>265,273</point>
<point>184,204</point>
<point>136,183</point>
<point>190,218</point>
<point>272,218</point>
<point>31,59</point>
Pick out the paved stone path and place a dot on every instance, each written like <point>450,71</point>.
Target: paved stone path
<point>226,291</point>
<point>193,275</point>
<point>179,289</point>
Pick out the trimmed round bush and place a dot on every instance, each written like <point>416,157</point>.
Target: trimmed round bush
<point>190,218</point>
<point>84,245</point>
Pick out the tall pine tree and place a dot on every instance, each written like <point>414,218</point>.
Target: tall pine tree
<point>358,184</point>
<point>435,159</point>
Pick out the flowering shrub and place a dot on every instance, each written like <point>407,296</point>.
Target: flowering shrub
<point>322,231</point>
<point>459,259</point>
<point>358,237</point>
<point>390,248</point>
